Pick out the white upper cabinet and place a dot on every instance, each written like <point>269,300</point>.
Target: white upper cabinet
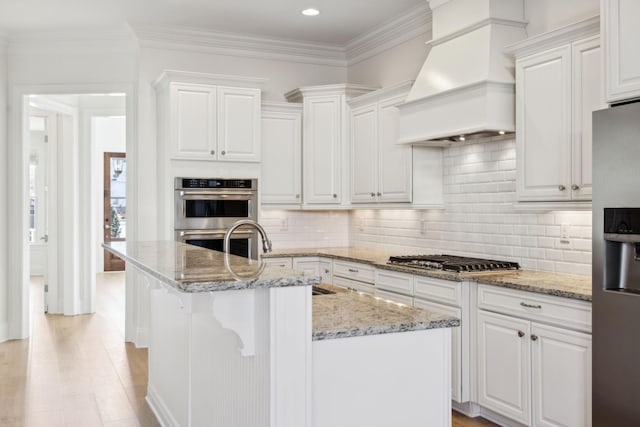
<point>209,117</point>
<point>558,86</point>
<point>381,169</point>
<point>281,182</point>
<point>324,141</point>
<point>620,36</point>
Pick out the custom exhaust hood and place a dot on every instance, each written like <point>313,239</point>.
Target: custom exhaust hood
<point>466,88</point>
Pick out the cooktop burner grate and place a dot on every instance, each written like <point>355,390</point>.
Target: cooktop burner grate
<point>453,263</point>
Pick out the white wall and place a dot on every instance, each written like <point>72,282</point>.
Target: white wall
<point>479,218</point>
<point>392,66</point>
<point>546,15</point>
<point>309,229</point>
<point>4,179</point>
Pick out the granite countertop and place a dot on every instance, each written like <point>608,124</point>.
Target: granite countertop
<point>557,284</point>
<point>190,268</point>
<point>348,314</point>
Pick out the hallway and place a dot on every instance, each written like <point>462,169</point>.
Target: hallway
<point>75,370</point>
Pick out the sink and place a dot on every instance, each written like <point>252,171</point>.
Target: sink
<point>317,290</point>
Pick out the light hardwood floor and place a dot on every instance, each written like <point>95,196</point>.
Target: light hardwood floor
<point>78,371</point>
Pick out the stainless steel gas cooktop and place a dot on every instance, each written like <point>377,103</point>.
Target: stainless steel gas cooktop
<point>453,263</point>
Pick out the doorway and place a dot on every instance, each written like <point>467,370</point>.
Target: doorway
<point>70,198</point>
<point>115,206</point>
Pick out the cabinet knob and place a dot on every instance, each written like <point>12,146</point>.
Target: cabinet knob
<point>213,151</point>
<point>520,334</point>
<point>561,187</point>
<point>534,338</point>
<point>335,196</point>
<point>223,152</point>
<point>297,196</point>
<point>575,187</point>
<point>379,194</point>
<point>373,194</point>
<point>326,270</point>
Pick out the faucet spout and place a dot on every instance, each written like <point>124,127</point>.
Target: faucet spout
<point>266,243</point>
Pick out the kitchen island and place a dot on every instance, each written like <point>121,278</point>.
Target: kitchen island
<point>235,342</point>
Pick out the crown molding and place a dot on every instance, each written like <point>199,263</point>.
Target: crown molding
<point>568,33</point>
<point>168,76</point>
<point>349,90</point>
<point>97,41</point>
<point>392,33</point>
<point>244,45</point>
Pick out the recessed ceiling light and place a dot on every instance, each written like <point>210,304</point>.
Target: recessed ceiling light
<point>311,12</point>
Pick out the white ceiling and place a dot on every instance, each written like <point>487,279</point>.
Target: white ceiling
<point>339,22</point>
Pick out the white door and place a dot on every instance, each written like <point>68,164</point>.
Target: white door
<point>394,160</point>
<point>193,121</point>
<point>543,123</point>
<point>364,154</point>
<point>561,376</point>
<point>42,170</point>
<point>504,365</point>
<point>239,124</point>
<point>281,157</point>
<point>587,97</point>
<point>322,143</point>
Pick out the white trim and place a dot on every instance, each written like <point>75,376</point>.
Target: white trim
<point>476,26</point>
<point>559,36</point>
<point>243,45</point>
<point>18,294</point>
<point>168,76</point>
<point>415,23</point>
<point>398,89</point>
<point>348,89</point>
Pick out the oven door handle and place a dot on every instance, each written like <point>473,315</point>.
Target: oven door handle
<point>214,233</point>
<point>203,194</point>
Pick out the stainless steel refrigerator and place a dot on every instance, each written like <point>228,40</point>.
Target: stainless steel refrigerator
<point>616,266</point>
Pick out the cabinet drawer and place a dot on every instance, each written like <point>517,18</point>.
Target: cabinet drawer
<point>355,271</point>
<point>354,285</point>
<point>284,262</point>
<point>563,312</point>
<point>444,291</point>
<point>392,296</point>
<point>395,282</point>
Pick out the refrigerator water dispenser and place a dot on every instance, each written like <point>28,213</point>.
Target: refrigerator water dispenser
<point>622,250</point>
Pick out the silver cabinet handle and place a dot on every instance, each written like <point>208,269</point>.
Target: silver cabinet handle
<point>520,334</point>
<point>223,152</point>
<point>524,304</point>
<point>575,187</point>
<point>213,151</point>
<point>534,338</point>
<point>561,187</point>
<point>353,270</point>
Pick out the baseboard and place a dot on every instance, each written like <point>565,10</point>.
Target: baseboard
<point>142,338</point>
<point>473,410</point>
<point>4,331</point>
<point>159,409</point>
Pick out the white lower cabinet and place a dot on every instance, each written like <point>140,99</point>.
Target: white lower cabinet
<point>536,374</point>
<point>393,297</point>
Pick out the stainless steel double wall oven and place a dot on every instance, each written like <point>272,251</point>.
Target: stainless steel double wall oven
<point>206,207</point>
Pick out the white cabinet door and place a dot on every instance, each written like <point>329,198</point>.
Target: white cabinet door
<point>504,365</point>
<point>543,120</point>
<point>326,271</point>
<point>281,157</point>
<point>456,344</point>
<point>561,376</point>
<point>394,160</point>
<point>193,121</point>
<point>239,124</point>
<point>620,41</point>
<point>364,154</point>
<point>309,266</point>
<point>322,142</point>
<point>587,97</point>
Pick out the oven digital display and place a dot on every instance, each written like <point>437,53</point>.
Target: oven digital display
<point>215,183</point>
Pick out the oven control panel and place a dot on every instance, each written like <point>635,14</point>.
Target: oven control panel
<point>186,183</point>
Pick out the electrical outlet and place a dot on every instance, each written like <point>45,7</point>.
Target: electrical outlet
<point>564,233</point>
<point>284,224</point>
